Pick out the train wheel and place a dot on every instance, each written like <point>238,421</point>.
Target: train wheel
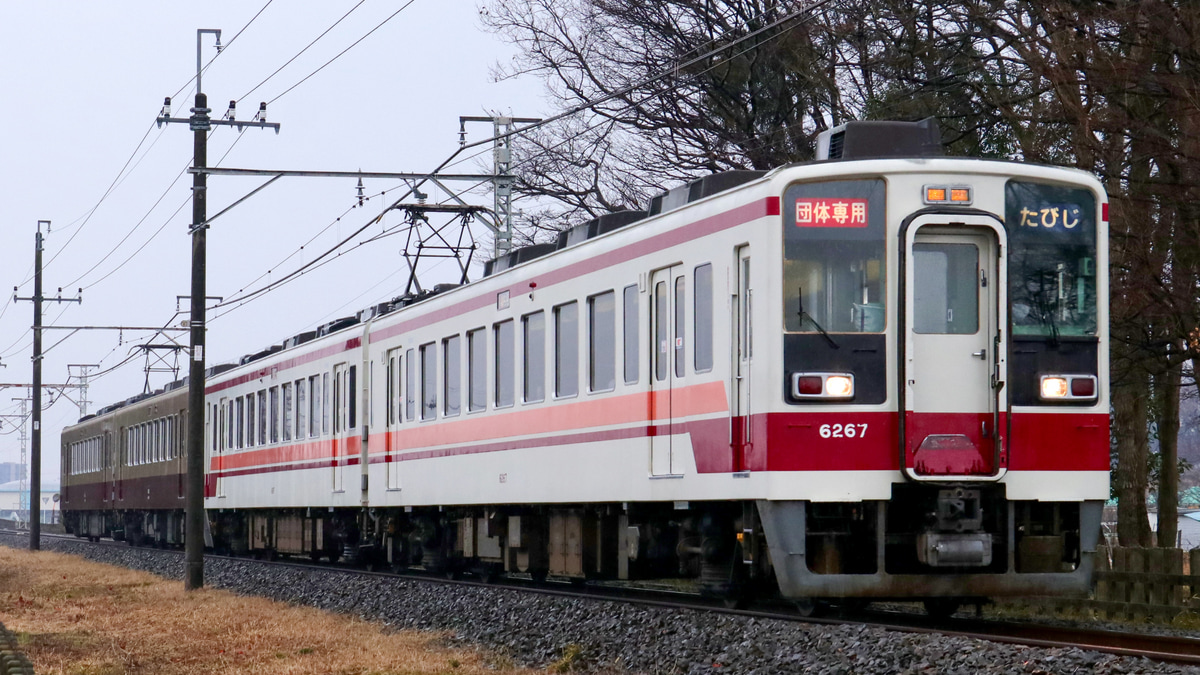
<point>811,607</point>
<point>942,608</point>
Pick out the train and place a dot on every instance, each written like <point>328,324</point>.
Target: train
<point>881,374</point>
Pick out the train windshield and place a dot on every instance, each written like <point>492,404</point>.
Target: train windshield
<point>833,267</point>
<point>1051,259</point>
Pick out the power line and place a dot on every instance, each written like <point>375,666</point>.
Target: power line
<point>339,55</point>
<point>299,53</point>
<point>320,260</point>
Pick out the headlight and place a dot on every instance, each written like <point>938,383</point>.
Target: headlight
<point>823,386</point>
<point>1068,388</point>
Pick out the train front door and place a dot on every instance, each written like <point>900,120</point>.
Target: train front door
<point>666,363</point>
<point>740,440</point>
<point>954,348</point>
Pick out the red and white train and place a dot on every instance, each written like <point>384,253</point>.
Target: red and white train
<point>879,375</point>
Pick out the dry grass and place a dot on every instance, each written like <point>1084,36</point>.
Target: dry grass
<point>81,618</point>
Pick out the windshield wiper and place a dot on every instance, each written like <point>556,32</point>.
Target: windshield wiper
<point>805,315</point>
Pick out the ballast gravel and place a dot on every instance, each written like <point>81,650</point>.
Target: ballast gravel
<point>542,630</point>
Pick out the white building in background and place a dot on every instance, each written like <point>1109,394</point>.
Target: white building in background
<point>12,506</point>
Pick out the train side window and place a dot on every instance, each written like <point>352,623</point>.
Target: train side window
<point>287,411</point>
<point>476,370</point>
<point>325,403</point>
<point>314,406</point>
<point>240,423</point>
<point>351,399</point>
<point>232,425</point>
<point>566,350</point>
<point>702,318</point>
<point>262,417</point>
<point>451,376</point>
<point>410,387</point>
<point>602,342</point>
<point>339,401</point>
<point>660,331</point>
<point>630,334</point>
<point>680,306</point>
<point>505,346</point>
<point>250,435</point>
<point>429,381</point>
<point>392,387</point>
<point>533,328</point>
<point>301,409</point>
<point>273,414</point>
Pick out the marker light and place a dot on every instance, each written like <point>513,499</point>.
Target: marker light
<point>823,386</point>
<point>809,385</point>
<point>1068,387</point>
<point>948,194</point>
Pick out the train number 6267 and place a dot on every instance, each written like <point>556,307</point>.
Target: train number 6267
<point>843,430</point>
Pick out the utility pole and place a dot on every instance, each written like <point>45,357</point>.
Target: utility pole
<point>502,182</point>
<point>200,124</point>
<point>35,459</point>
<point>84,370</point>
<point>23,486</point>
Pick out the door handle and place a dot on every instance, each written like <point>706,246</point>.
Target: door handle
<point>982,354</point>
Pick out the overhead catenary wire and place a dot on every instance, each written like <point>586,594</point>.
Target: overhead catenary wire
<point>301,52</point>
<point>587,105</point>
<point>339,54</point>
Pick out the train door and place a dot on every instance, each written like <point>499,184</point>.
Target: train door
<point>739,437</point>
<point>954,365</point>
<point>113,462</point>
<point>222,445</point>
<point>667,359</point>
<point>395,410</point>
<point>341,398</point>
<point>121,451</point>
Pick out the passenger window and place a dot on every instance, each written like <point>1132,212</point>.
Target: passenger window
<point>287,411</point>
<point>410,389</point>
<point>602,339</point>
<point>250,421</point>
<point>534,356</point>
<point>273,414</point>
<point>476,370</point>
<point>452,374</point>
<point>566,350</point>
<point>325,403</point>
<point>680,361</point>
<point>262,414</point>
<point>702,317</point>
<point>352,399</point>
<point>429,381</point>
<point>630,331</point>
<point>505,368</point>
<point>301,410</point>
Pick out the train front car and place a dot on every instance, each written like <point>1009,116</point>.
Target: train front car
<point>938,426</point>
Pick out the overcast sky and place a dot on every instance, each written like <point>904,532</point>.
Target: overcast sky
<point>82,83</point>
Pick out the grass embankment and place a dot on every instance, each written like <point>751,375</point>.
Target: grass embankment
<point>82,618</point>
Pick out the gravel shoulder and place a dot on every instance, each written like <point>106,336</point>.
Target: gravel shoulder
<point>544,631</point>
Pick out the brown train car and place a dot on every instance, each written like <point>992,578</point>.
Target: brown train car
<point>123,470</point>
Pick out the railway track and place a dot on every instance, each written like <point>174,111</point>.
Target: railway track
<point>1161,648</point>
